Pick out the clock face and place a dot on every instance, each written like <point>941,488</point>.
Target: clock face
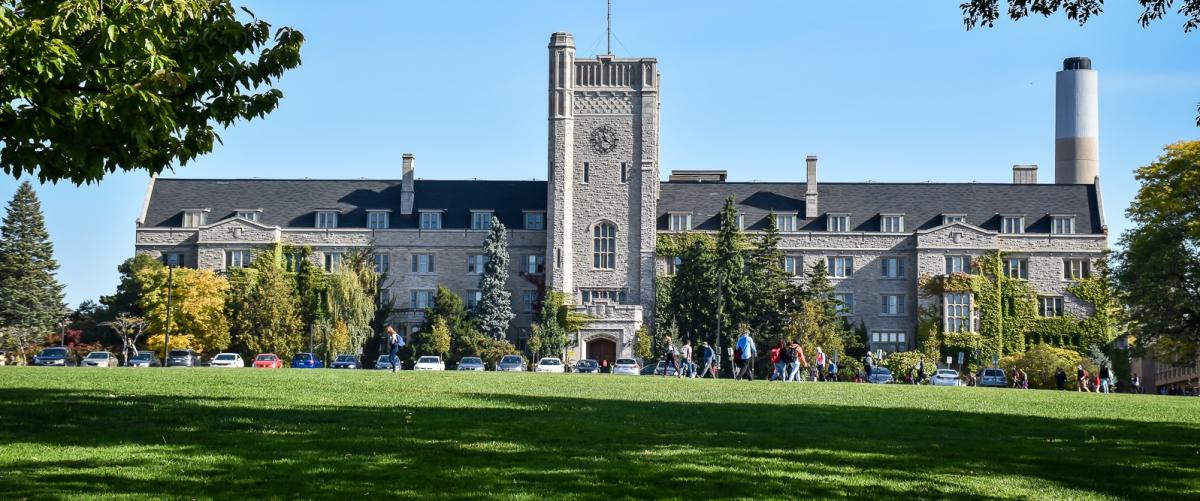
<point>604,139</point>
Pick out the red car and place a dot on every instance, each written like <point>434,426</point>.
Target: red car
<point>267,361</point>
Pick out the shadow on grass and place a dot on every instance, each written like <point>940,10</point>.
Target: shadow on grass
<point>520,446</point>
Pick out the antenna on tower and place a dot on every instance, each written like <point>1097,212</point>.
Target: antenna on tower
<point>608,29</point>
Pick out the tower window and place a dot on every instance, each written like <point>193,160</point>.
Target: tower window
<point>587,168</point>
<point>604,246</point>
<point>624,173</point>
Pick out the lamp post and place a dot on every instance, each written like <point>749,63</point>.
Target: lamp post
<point>167,328</point>
<point>720,305</point>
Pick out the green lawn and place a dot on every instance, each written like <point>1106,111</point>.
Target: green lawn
<point>201,433</point>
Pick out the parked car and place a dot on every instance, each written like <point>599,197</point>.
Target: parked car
<point>144,359</point>
<point>658,368</point>
<point>306,361</point>
<point>628,366</point>
<point>345,361</point>
<point>587,366</point>
<point>549,364</point>
<point>945,377</point>
<point>227,360</point>
<point>54,356</point>
<point>993,378</point>
<point>384,363</point>
<point>100,359</point>
<point>880,375</point>
<point>183,358</point>
<point>267,361</point>
<point>470,364</point>
<point>429,363</point>
<point>511,363</point>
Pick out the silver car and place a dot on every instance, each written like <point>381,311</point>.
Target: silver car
<point>511,363</point>
<point>945,377</point>
<point>880,375</point>
<point>470,364</point>
<point>100,359</point>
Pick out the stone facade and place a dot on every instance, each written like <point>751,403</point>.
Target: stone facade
<point>603,211</point>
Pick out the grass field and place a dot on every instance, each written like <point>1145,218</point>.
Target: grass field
<point>203,433</point>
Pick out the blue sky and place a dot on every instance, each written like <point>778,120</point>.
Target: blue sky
<point>884,91</point>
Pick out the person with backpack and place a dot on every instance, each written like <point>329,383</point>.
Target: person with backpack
<point>1105,378</point>
<point>1081,379</point>
<point>1060,379</point>
<point>819,359</point>
<point>832,372</point>
<point>788,354</point>
<point>670,357</point>
<point>395,342</point>
<point>746,351</point>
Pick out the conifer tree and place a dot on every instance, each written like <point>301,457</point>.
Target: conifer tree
<point>495,307</point>
<point>729,269</point>
<point>771,295</point>
<point>693,295</point>
<point>30,295</point>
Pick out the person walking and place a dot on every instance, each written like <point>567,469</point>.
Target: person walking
<point>1105,378</point>
<point>746,352</point>
<point>920,371</point>
<point>820,362</point>
<point>707,354</point>
<point>670,357</point>
<point>687,358</point>
<point>798,361</point>
<point>1081,379</point>
<point>1136,383</point>
<point>1024,379</point>
<point>395,342</point>
<point>868,364</point>
<point>776,362</point>
<point>1060,379</point>
<point>832,372</point>
<point>788,353</point>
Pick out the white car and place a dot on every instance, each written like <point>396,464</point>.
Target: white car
<point>945,377</point>
<point>429,363</point>
<point>549,364</point>
<point>627,366</point>
<point>227,360</point>
<point>100,359</point>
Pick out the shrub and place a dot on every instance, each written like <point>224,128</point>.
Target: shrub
<point>901,362</point>
<point>1041,362</point>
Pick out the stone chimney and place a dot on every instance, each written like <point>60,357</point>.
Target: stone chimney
<point>406,187</point>
<point>810,195</point>
<point>1025,174</point>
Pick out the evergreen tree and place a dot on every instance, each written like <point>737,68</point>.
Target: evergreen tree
<point>772,296</point>
<point>694,296</point>
<point>125,300</point>
<point>817,323</point>
<point>495,308</point>
<point>730,271</point>
<point>555,319</point>
<point>264,308</point>
<point>30,295</point>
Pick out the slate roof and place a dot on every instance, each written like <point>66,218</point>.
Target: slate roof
<point>921,203</point>
<point>293,203</point>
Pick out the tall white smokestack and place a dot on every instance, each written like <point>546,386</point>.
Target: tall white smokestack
<point>1076,123</point>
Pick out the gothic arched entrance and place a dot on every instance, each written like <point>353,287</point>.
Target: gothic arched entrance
<point>602,348</point>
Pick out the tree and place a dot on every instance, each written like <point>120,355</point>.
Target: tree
<point>30,295</point>
<point>433,341</point>
<point>981,13</point>
<point>125,300</point>
<point>817,323</point>
<point>263,307</point>
<point>495,307</point>
<point>771,296</point>
<point>693,295</point>
<point>130,329</point>
<point>729,266</point>
<point>449,306</point>
<point>555,320</point>
<point>91,87</point>
<point>21,338</point>
<point>351,300</point>
<point>642,346</point>
<point>197,307</point>
<point>311,287</point>
<point>1158,269</point>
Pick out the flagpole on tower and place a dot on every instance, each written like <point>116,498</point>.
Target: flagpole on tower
<point>608,29</point>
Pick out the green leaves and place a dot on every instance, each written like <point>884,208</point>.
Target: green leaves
<point>133,86</point>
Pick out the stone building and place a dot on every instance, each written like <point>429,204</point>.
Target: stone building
<point>590,229</point>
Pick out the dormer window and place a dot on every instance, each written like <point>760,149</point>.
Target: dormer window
<point>1012,224</point>
<point>481,220</point>
<point>954,218</point>
<point>378,219</point>
<point>431,220</point>
<point>535,220</point>
<point>785,222</point>
<point>195,218</point>
<point>327,219</point>
<point>891,223</point>
<point>681,222</point>
<point>838,223</point>
<point>249,214</point>
<point>1062,225</point>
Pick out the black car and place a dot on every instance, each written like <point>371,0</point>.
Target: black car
<point>587,366</point>
<point>346,362</point>
<point>183,358</point>
<point>54,357</point>
<point>659,368</point>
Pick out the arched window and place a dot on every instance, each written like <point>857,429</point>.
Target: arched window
<point>604,246</point>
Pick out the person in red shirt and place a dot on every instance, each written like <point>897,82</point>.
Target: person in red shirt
<point>777,361</point>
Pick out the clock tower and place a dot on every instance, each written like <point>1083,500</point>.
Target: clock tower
<point>602,189</point>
